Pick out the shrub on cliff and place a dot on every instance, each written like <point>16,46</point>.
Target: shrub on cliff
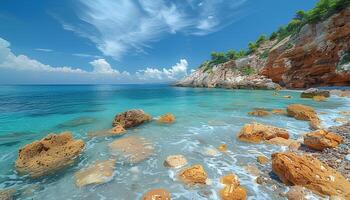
<point>218,58</point>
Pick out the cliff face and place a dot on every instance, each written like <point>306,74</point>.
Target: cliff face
<point>319,55</point>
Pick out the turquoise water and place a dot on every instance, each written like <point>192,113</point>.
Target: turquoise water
<point>206,118</point>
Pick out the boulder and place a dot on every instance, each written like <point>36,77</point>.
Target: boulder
<point>312,92</point>
<point>232,189</point>
<point>131,149</point>
<point>259,113</point>
<point>157,194</point>
<point>296,193</point>
<point>193,175</point>
<point>262,160</point>
<point>319,98</point>
<point>291,144</point>
<point>175,161</point>
<point>307,171</point>
<point>322,139</point>
<point>49,154</point>
<point>256,133</point>
<point>98,173</point>
<point>167,118</point>
<point>131,118</point>
<point>301,112</point>
<point>117,130</point>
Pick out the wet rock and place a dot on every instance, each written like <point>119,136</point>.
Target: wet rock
<point>279,111</point>
<point>296,193</point>
<point>291,144</point>
<point>175,161</point>
<point>312,92</point>
<point>117,130</point>
<point>319,98</point>
<point>131,118</point>
<point>132,149</point>
<point>262,160</point>
<point>259,113</point>
<point>262,180</point>
<point>347,157</point>
<point>193,175</point>
<point>232,189</point>
<point>80,121</point>
<point>167,118</point>
<point>256,133</point>
<point>307,171</point>
<point>222,148</point>
<point>306,113</point>
<point>211,152</point>
<point>49,154</point>
<point>98,173</point>
<point>7,194</point>
<point>322,139</point>
<point>252,170</point>
<point>157,194</point>
<point>346,113</point>
<point>341,120</point>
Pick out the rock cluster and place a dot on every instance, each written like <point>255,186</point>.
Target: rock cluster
<point>256,133</point>
<point>322,139</point>
<point>131,118</point>
<point>51,153</point>
<point>232,189</point>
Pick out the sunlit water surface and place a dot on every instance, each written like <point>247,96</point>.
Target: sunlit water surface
<point>205,118</point>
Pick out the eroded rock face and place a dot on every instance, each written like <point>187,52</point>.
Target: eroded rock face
<point>312,92</point>
<point>193,175</point>
<point>256,132</point>
<point>131,149</point>
<point>50,154</point>
<point>98,173</point>
<point>322,139</point>
<point>157,194</point>
<point>167,118</point>
<point>131,118</point>
<point>293,169</point>
<point>175,161</point>
<point>232,189</point>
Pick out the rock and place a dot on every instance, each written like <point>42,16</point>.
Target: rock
<point>347,157</point>
<point>252,170</point>
<point>131,118</point>
<point>211,152</point>
<point>322,139</point>
<point>232,189</point>
<point>175,161</point>
<point>262,160</point>
<point>132,149</point>
<point>222,148</point>
<point>279,111</point>
<point>315,123</point>
<point>157,194</point>
<point>301,112</point>
<point>309,172</point>
<point>167,118</point>
<point>287,97</point>
<point>117,130</point>
<point>80,121</point>
<point>259,113</point>
<point>49,154</point>
<point>296,193</point>
<point>7,194</point>
<point>98,173</point>
<point>261,180</point>
<point>346,113</point>
<point>341,120</point>
<point>193,175</point>
<point>291,144</point>
<point>314,92</point>
<point>256,133</point>
<point>319,98</point>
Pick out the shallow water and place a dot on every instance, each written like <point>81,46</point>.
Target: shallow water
<point>205,118</point>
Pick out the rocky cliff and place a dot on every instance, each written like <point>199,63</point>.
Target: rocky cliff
<point>318,55</point>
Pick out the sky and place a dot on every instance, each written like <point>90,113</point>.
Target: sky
<point>127,41</point>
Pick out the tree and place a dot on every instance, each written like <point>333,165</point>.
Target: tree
<point>231,54</point>
<point>218,57</point>
<point>273,36</point>
<point>252,47</point>
<point>260,40</point>
<point>300,15</point>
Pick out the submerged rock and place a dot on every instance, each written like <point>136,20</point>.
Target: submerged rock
<point>167,118</point>
<point>98,173</point>
<point>319,98</point>
<point>49,154</point>
<point>80,121</point>
<point>175,161</point>
<point>312,92</point>
<point>259,113</point>
<point>222,148</point>
<point>256,133</point>
<point>131,118</point>
<point>322,139</point>
<point>309,172</point>
<point>262,160</point>
<point>7,194</point>
<point>232,189</point>
<point>341,120</point>
<point>117,130</point>
<point>132,149</point>
<point>157,194</point>
<point>279,111</point>
<point>193,175</point>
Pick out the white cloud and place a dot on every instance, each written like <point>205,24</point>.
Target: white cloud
<point>101,66</point>
<point>85,55</point>
<point>44,50</point>
<point>118,27</point>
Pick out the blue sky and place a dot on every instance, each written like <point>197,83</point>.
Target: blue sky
<point>125,41</point>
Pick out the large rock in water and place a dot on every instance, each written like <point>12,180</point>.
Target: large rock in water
<point>175,161</point>
<point>131,118</point>
<point>322,139</point>
<point>256,132</point>
<point>232,189</point>
<point>306,113</point>
<point>49,154</point>
<point>194,175</point>
<point>309,172</point>
<point>313,92</point>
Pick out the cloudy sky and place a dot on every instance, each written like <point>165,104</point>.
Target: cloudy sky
<point>127,41</point>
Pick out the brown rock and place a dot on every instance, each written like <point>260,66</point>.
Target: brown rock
<point>301,112</point>
<point>341,120</point>
<point>322,139</point>
<point>222,148</point>
<point>175,161</point>
<point>193,175</point>
<point>232,189</point>
<point>167,118</point>
<point>296,193</point>
<point>98,173</point>
<point>49,154</point>
<point>319,98</point>
<point>262,160</point>
<point>346,113</point>
<point>131,118</point>
<point>117,130</point>
<point>259,113</point>
<point>132,149</point>
<point>157,194</point>
<point>259,132</point>
<point>314,92</point>
<point>7,194</point>
<point>309,172</point>
<point>252,169</point>
<point>279,111</point>
<point>291,144</point>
